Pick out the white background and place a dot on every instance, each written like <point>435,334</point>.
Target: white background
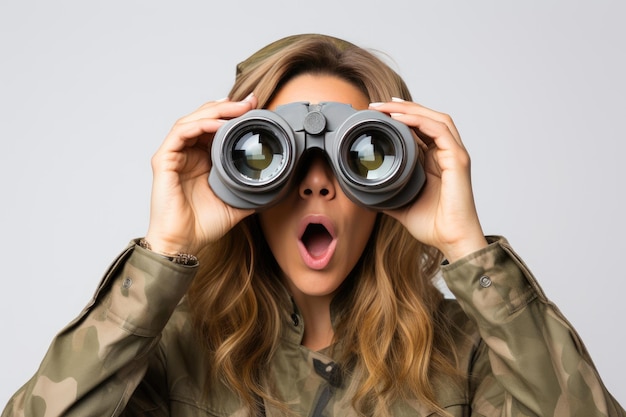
<point>89,89</point>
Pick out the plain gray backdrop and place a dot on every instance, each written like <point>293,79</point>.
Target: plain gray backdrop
<point>88,90</point>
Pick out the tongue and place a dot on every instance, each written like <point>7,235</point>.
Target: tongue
<point>316,240</point>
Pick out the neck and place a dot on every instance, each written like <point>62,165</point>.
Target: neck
<point>318,329</point>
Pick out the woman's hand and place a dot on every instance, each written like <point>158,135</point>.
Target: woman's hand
<point>444,214</point>
<point>185,215</point>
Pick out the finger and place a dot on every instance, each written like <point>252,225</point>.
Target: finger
<point>432,132</point>
<point>422,142</point>
<point>190,133</point>
<point>406,107</point>
<point>199,126</point>
<point>221,109</point>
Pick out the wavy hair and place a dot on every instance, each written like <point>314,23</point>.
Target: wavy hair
<point>238,303</point>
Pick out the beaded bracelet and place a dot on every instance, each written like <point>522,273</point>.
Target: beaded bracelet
<point>178,258</point>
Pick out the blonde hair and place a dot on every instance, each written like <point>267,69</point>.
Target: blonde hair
<point>238,302</point>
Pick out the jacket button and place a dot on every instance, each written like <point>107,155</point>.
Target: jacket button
<point>485,281</point>
<point>127,282</point>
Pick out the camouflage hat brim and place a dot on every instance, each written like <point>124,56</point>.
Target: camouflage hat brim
<point>279,45</point>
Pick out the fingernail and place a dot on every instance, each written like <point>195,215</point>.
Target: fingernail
<point>249,97</point>
<point>397,99</point>
<point>395,114</point>
<point>376,104</point>
<point>221,100</point>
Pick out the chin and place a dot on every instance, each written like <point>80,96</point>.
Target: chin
<point>313,285</point>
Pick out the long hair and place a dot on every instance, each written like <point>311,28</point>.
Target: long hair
<point>388,333</point>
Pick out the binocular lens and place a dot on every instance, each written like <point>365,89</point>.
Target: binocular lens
<point>258,156</point>
<point>372,156</point>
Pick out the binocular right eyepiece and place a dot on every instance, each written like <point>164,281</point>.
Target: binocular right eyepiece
<point>374,158</point>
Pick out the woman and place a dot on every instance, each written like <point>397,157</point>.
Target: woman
<point>281,316</point>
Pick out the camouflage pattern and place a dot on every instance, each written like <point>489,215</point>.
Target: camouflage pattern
<point>132,352</point>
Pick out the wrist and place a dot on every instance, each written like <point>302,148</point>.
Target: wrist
<point>461,249</point>
<point>177,257</point>
<point>164,243</point>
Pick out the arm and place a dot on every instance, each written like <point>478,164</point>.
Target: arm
<point>538,363</point>
<point>94,365</point>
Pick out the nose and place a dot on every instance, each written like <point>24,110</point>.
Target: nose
<point>318,180</point>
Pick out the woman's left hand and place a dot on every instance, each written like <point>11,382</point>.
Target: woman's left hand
<point>444,214</point>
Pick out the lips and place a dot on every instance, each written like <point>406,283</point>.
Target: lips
<point>317,241</point>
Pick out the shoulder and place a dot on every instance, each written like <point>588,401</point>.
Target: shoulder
<point>459,327</point>
<point>187,367</point>
<point>452,313</point>
<point>179,333</point>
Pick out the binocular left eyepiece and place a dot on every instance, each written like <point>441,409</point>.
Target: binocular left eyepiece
<point>375,158</point>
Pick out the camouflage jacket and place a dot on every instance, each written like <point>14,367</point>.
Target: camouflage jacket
<point>131,352</point>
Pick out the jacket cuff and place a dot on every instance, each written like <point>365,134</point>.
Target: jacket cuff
<point>493,283</point>
<point>144,291</point>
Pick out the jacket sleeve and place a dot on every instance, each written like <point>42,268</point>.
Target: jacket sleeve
<point>94,365</point>
<point>539,366</point>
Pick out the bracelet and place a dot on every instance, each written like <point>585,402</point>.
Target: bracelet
<point>178,258</point>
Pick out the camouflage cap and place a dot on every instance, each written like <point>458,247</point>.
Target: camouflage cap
<point>281,44</point>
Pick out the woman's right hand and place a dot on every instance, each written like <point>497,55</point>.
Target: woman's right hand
<point>185,214</point>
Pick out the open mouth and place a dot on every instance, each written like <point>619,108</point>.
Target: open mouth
<point>316,239</point>
<point>317,242</point>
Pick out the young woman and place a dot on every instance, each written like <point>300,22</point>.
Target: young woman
<point>315,305</point>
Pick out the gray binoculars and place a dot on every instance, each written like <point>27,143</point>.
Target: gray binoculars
<point>374,158</point>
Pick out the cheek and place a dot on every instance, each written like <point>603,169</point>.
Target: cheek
<point>269,228</point>
<point>362,227</point>
<point>273,226</point>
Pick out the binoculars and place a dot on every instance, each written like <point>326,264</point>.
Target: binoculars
<point>256,156</point>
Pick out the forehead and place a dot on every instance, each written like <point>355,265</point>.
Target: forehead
<point>315,88</point>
